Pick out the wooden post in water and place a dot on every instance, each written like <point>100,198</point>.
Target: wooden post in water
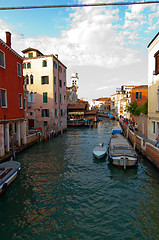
<point>61,131</point>
<point>45,133</point>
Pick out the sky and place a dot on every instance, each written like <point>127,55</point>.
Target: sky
<point>106,46</point>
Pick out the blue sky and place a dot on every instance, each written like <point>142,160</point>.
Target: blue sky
<point>107,46</point>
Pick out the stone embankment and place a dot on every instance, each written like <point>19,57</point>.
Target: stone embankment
<point>142,144</point>
<point>33,138</point>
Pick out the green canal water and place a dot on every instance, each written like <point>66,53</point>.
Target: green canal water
<point>62,192</point>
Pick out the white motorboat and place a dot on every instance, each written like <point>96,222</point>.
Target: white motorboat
<point>8,172</point>
<point>100,151</point>
<point>117,129</point>
<point>121,153</point>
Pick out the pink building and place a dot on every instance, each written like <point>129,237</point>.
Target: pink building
<point>45,80</point>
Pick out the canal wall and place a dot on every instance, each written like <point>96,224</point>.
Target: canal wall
<point>31,139</point>
<point>142,144</point>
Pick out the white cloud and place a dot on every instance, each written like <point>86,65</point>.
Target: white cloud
<point>92,39</point>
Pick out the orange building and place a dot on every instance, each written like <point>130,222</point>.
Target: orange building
<point>139,94</point>
<point>12,122</point>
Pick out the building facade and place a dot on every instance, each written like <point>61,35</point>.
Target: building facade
<point>139,94</point>
<point>12,122</point>
<point>45,80</point>
<point>153,88</point>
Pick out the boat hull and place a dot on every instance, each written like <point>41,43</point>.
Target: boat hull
<point>123,162</point>
<point>8,173</point>
<point>121,153</point>
<point>99,152</point>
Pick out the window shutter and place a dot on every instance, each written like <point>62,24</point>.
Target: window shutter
<point>1,59</point>
<point>45,97</point>
<point>29,65</point>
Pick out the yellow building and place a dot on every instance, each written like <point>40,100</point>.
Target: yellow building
<point>153,88</point>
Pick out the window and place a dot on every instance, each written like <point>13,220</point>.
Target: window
<point>24,65</point>
<point>60,69</point>
<point>45,80</point>
<point>27,79</point>
<point>64,72</point>
<point>55,112</point>
<point>45,98</point>
<point>19,69</point>
<point>3,98</point>
<point>60,83</point>
<point>60,97</point>
<point>20,100</point>
<point>55,65</point>
<point>24,103</point>
<point>54,80</point>
<point>138,95</point>
<point>45,123</point>
<point>156,63</point>
<point>44,63</point>
<point>61,112</point>
<point>31,79</point>
<point>55,97</point>
<point>30,54</point>
<point>2,59</point>
<point>153,127</point>
<point>29,65</point>
<point>31,97</point>
<point>45,113</point>
<point>28,99</point>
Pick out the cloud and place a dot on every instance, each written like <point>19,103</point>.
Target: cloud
<point>111,40</point>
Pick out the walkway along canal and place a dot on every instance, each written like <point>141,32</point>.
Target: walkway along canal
<point>64,193</point>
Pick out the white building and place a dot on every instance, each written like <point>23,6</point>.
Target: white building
<point>153,88</point>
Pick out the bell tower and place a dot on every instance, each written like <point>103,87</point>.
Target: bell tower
<point>74,79</point>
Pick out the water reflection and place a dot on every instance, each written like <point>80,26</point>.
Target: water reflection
<point>64,193</point>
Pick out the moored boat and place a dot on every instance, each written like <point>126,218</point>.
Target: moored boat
<point>8,172</point>
<point>117,129</point>
<point>100,151</point>
<point>121,153</point>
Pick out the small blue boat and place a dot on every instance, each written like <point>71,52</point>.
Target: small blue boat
<point>117,129</point>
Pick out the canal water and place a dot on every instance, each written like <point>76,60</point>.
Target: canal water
<point>63,192</point>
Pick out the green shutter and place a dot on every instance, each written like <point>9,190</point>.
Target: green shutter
<point>30,54</point>
<point>45,97</point>
<point>28,65</point>
<point>44,64</point>
<point>24,65</point>
<point>54,80</point>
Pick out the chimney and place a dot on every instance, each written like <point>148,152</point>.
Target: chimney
<point>56,55</point>
<point>8,39</point>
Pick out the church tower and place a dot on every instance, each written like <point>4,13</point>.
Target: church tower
<point>74,79</point>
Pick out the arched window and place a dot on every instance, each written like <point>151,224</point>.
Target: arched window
<point>44,63</point>
<point>31,79</point>
<point>27,79</point>
<point>24,65</point>
<point>28,65</point>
